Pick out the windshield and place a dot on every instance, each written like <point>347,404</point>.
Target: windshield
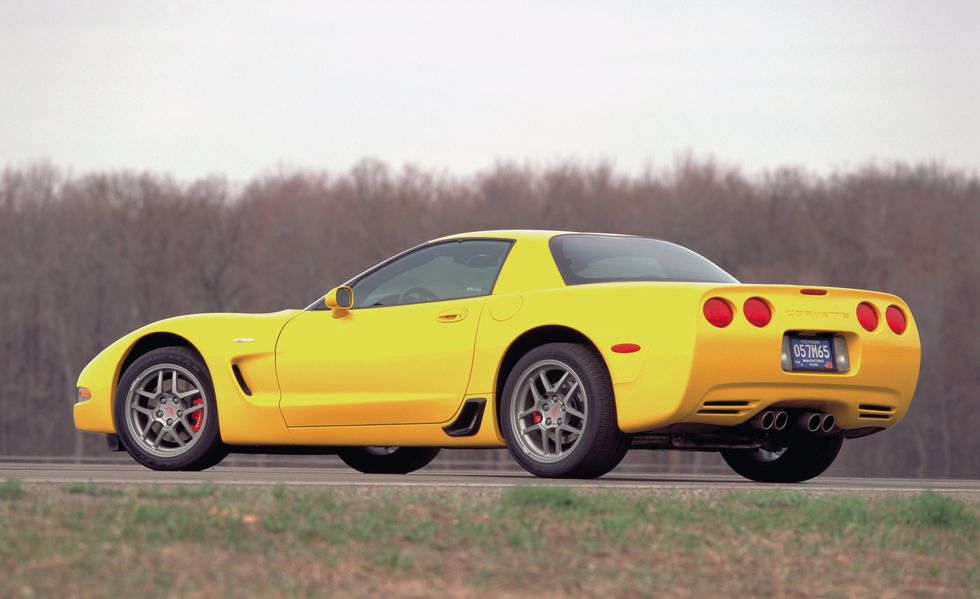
<point>609,258</point>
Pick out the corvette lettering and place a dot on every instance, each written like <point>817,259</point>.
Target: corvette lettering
<point>817,314</point>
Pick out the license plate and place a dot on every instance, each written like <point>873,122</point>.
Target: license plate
<point>812,354</point>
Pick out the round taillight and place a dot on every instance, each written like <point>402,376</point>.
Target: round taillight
<point>867,316</point>
<point>757,311</point>
<point>718,312</point>
<point>896,319</point>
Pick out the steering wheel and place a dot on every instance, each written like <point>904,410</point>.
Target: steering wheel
<point>414,295</point>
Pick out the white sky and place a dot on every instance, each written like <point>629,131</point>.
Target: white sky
<point>243,87</point>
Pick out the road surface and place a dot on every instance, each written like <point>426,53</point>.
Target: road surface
<point>128,473</point>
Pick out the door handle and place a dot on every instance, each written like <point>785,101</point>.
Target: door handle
<point>452,315</point>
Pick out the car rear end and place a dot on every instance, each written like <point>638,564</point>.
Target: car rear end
<point>717,352</point>
<point>846,353</point>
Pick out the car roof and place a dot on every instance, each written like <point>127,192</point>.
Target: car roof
<point>518,234</point>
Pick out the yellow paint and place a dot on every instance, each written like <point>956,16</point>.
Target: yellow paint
<point>395,375</point>
<point>383,365</point>
<point>243,419</point>
<point>504,307</point>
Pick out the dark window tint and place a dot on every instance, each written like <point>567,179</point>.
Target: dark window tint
<point>448,270</point>
<point>608,258</point>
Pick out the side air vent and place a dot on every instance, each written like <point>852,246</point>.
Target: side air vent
<point>241,380</point>
<point>470,417</point>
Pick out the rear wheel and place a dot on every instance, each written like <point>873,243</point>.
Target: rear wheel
<point>794,461</point>
<point>165,411</point>
<point>558,413</point>
<point>388,460</point>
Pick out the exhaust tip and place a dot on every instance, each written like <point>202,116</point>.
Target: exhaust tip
<point>827,423</point>
<point>768,420</point>
<point>780,420</point>
<point>809,421</point>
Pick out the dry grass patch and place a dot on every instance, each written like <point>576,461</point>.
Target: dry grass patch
<point>205,541</point>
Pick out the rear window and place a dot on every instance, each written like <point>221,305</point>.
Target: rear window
<point>607,258</point>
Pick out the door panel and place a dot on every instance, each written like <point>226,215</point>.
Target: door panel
<point>406,364</point>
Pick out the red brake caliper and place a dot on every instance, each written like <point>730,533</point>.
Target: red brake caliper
<point>197,418</point>
<point>536,418</point>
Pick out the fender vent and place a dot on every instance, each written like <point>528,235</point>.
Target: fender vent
<point>241,380</point>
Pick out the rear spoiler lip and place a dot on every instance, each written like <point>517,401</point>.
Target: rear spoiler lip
<point>825,291</point>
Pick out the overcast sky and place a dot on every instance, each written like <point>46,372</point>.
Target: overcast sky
<point>243,87</point>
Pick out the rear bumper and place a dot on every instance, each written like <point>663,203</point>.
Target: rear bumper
<point>865,397</point>
<point>853,406</point>
<point>728,375</point>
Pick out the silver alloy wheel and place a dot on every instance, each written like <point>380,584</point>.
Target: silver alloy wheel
<point>768,455</point>
<point>166,410</point>
<point>548,410</point>
<point>380,450</point>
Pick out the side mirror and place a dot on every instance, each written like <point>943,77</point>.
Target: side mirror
<point>340,300</point>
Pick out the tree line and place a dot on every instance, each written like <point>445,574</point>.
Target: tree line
<point>85,258</point>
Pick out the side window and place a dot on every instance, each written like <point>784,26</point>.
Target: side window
<point>448,270</point>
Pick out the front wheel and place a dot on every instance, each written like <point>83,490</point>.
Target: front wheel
<point>793,461</point>
<point>165,411</point>
<point>558,413</point>
<point>388,460</point>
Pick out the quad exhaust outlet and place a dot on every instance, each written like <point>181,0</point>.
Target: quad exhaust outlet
<point>808,422</point>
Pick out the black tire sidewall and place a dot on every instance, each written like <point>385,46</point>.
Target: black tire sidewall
<point>804,458</point>
<point>208,450</point>
<point>582,461</point>
<point>401,461</point>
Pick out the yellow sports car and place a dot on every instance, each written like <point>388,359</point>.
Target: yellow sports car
<point>566,348</point>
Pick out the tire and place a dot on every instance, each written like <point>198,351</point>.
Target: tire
<point>388,460</point>
<point>161,428</point>
<point>579,420</point>
<point>801,459</point>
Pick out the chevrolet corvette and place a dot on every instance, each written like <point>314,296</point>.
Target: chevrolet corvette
<point>568,349</point>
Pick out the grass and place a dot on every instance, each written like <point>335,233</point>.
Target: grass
<point>90,489</point>
<point>206,540</point>
<point>11,489</point>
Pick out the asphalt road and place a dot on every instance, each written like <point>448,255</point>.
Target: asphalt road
<point>127,473</point>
